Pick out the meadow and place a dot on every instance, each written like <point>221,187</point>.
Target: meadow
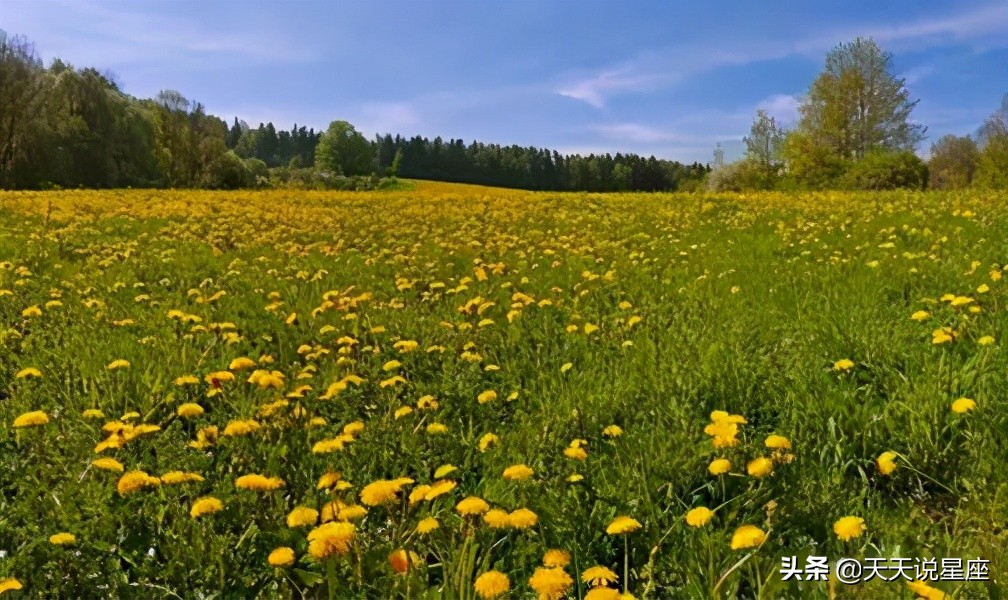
<point>453,391</point>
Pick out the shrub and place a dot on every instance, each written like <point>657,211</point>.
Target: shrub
<point>883,170</point>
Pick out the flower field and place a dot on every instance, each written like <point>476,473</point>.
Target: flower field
<point>453,391</point>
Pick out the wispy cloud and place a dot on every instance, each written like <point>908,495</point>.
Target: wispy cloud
<point>783,107</point>
<point>985,26</point>
<point>131,34</point>
<point>596,89</point>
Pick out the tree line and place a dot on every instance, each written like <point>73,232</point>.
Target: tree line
<point>855,131</point>
<point>67,127</point>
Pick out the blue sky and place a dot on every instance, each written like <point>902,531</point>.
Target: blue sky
<point>663,78</point>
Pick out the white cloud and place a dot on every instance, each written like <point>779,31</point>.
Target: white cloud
<point>986,26</point>
<point>130,34</point>
<point>783,107</point>
<point>595,90</point>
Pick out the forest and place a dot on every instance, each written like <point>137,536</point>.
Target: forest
<point>66,127</point>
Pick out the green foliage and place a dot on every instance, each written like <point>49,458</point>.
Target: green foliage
<point>765,142</point>
<point>746,174</point>
<point>342,150</point>
<point>856,104</point>
<point>953,162</point>
<point>812,165</point>
<point>228,172</point>
<point>992,166</point>
<point>883,170</point>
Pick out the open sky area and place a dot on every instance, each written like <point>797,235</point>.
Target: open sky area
<point>665,78</point>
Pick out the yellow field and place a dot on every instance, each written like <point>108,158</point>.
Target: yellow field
<point>466,392</point>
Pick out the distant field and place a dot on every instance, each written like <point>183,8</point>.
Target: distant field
<point>433,383</point>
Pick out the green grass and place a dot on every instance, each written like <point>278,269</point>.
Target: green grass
<point>745,304</point>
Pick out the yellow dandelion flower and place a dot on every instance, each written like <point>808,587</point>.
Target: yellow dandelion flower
<point>302,516</point>
<point>108,464</point>
<point>986,340</point>
<point>241,363</point>
<point>963,405</point>
<point>747,536</point>
<point>63,539</point>
<point>9,584</point>
<point>550,583</point>
<point>496,518</point>
<point>32,311</point>
<point>759,467</point>
<point>942,335</point>
<point>777,442</point>
<point>612,431</point>
<point>258,483</point>
<point>844,364</point>
<point>623,525</point>
<point>281,557</point>
<point>427,402</point>
<point>29,372</point>
<point>381,492</point>
<point>186,380</point>
<point>93,413</point>
<point>575,453</point>
<point>444,470</point>
<point>487,396</point>
<point>402,561</point>
<point>31,419</point>
<point>488,440</point>
<point>556,558</point>
<point>922,590</point>
<point>699,516</point>
<point>353,428</point>
<point>492,584</point>
<point>886,462</point>
<point>427,525</point>
<point>719,466</point>
<point>135,480</point>
<point>267,379</point>
<point>848,528</point>
<point>330,538</point>
<point>472,505</point>
<point>175,477</point>
<point>522,518</point>
<point>920,315</point>
<point>519,472</point>
<point>437,428</point>
<point>189,410</point>
<point>241,427</point>
<point>117,364</point>
<point>599,576</point>
<point>603,593</point>
<point>439,488</point>
<point>328,480</point>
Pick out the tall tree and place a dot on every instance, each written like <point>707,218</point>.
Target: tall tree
<point>21,87</point>
<point>342,150</point>
<point>765,140</point>
<point>856,104</point>
<point>992,167</point>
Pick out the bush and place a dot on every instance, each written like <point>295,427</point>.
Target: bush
<point>742,175</point>
<point>227,172</point>
<point>884,170</point>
